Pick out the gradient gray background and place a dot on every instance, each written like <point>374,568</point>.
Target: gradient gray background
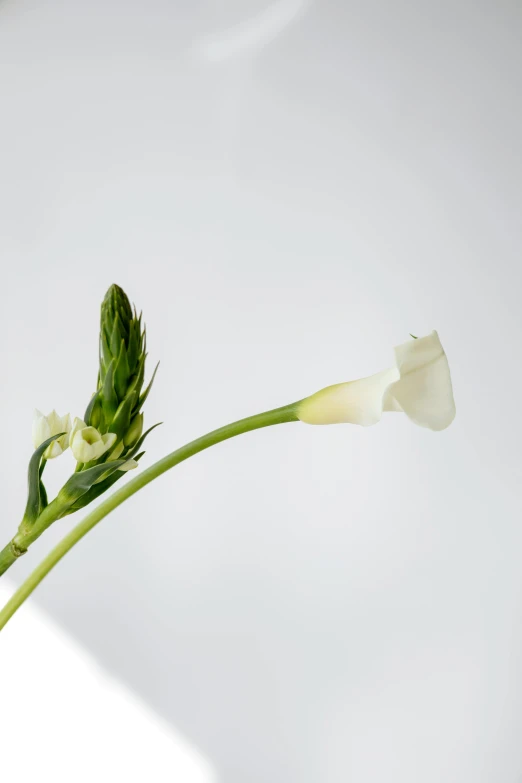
<point>287,189</point>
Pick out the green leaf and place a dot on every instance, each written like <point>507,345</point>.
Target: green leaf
<point>82,482</point>
<point>98,489</point>
<point>36,500</point>
<point>43,495</point>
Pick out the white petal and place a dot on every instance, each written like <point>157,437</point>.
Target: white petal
<point>78,425</point>
<point>97,449</point>
<point>424,391</point>
<point>129,465</point>
<point>65,426</point>
<point>41,429</point>
<point>355,402</point>
<point>55,422</point>
<point>53,450</point>
<point>87,443</point>
<point>116,452</point>
<point>76,444</point>
<point>83,451</point>
<point>109,439</point>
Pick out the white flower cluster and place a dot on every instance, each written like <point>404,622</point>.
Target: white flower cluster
<point>87,443</point>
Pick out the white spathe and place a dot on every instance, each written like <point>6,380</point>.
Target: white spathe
<point>87,444</point>
<point>45,427</point>
<point>419,385</point>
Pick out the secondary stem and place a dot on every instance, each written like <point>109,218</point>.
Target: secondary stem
<point>267,419</point>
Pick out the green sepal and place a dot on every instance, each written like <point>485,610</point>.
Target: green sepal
<point>109,398</point>
<point>133,349</point>
<point>105,352</point>
<point>135,449</point>
<point>121,421</point>
<point>137,381</point>
<point>36,500</point>
<point>121,372</point>
<point>82,482</point>
<point>134,431</point>
<point>116,335</point>
<point>93,413</point>
<point>123,317</point>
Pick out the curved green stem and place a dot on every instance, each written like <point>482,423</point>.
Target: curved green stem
<point>8,556</point>
<point>276,416</point>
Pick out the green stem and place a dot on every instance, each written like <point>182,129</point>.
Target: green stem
<point>9,555</point>
<point>276,416</point>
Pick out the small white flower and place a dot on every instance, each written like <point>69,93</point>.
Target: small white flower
<point>45,427</point>
<point>87,444</point>
<point>419,385</point>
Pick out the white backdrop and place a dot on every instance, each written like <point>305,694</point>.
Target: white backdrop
<point>287,189</point>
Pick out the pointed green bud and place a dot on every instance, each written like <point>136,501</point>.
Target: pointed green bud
<point>94,413</point>
<point>116,452</point>
<point>122,340</point>
<point>116,406</point>
<point>133,434</point>
<point>122,361</point>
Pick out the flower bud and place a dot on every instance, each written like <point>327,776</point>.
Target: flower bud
<point>116,406</point>
<point>94,413</point>
<point>45,427</point>
<point>112,429</point>
<point>134,432</point>
<point>116,452</point>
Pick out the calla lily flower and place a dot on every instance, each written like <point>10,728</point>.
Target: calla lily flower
<point>419,385</point>
<point>87,444</point>
<point>45,427</point>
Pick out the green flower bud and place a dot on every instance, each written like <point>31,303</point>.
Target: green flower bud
<point>133,434</point>
<point>122,351</point>
<point>116,405</point>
